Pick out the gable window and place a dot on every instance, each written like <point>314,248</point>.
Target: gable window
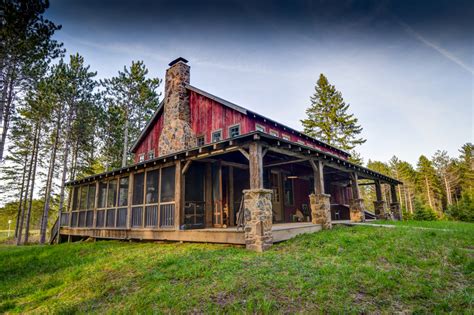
<point>259,128</point>
<point>141,157</point>
<point>151,154</point>
<point>200,141</point>
<point>234,131</point>
<point>286,137</point>
<point>217,136</point>
<point>274,133</point>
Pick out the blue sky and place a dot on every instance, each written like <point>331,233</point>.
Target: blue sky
<point>406,67</point>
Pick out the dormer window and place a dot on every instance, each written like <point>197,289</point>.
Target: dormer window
<point>217,136</point>
<point>234,131</point>
<point>200,141</point>
<point>260,128</point>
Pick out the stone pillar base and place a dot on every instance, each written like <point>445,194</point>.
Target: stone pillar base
<point>357,210</point>
<point>396,211</point>
<point>258,219</point>
<point>381,210</point>
<point>321,210</point>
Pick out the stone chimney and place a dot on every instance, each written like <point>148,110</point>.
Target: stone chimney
<point>177,134</point>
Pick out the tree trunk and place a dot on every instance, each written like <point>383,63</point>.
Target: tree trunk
<point>22,218</point>
<point>21,196</point>
<point>49,184</point>
<point>430,202</point>
<point>125,142</point>
<point>6,112</point>
<point>35,152</point>
<point>448,191</point>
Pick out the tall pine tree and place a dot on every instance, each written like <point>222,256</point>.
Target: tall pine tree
<point>328,118</point>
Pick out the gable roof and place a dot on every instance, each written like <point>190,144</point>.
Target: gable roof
<point>237,108</point>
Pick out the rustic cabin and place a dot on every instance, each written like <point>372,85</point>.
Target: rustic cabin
<point>208,170</point>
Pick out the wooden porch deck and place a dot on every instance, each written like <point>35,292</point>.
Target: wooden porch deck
<point>231,235</point>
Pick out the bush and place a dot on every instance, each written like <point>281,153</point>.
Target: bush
<point>463,210</point>
<point>423,212</point>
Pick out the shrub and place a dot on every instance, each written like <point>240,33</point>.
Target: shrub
<point>423,212</point>
<point>463,210</point>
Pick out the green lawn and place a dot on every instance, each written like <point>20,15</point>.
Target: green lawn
<point>348,269</point>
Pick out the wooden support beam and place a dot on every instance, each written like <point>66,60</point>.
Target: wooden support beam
<point>186,167</point>
<point>231,196</point>
<point>318,171</point>
<point>208,194</point>
<point>178,195</point>
<point>264,152</point>
<point>393,193</point>
<point>256,165</point>
<point>378,190</point>
<point>244,153</point>
<point>355,186</point>
<point>227,163</point>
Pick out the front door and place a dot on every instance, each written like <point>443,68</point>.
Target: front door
<point>276,186</point>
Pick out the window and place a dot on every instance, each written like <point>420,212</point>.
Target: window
<point>200,141</point>
<point>83,198</point>
<point>112,194</point>
<point>234,131</point>
<point>91,197</point>
<point>217,136</point>
<point>274,133</point>
<point>301,142</point>
<point>259,128</point>
<point>141,157</point>
<point>151,154</point>
<point>288,185</point>
<point>102,194</point>
<point>138,182</point>
<point>286,137</point>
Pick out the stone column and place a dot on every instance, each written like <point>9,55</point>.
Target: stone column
<point>395,205</point>
<point>321,210</point>
<point>381,210</point>
<point>357,210</point>
<point>258,219</point>
<point>177,134</point>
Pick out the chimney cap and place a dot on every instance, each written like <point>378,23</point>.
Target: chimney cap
<point>177,60</point>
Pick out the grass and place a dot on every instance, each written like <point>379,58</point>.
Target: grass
<point>348,269</point>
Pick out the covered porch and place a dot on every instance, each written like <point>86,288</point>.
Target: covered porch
<point>253,189</point>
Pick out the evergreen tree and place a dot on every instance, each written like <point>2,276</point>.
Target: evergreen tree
<point>26,47</point>
<point>428,184</point>
<point>133,100</point>
<point>328,118</point>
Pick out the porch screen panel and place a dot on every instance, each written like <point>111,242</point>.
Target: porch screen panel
<point>83,198</point>
<point>121,217</point>
<point>123,192</point>
<point>102,194</point>
<point>194,202</point>
<point>89,218</point>
<point>74,219</point>
<point>167,215</point>
<point>82,219</point>
<point>91,197</point>
<point>112,194</point>
<point>137,200</point>
<point>167,184</point>
<point>152,187</point>
<point>151,216</point>
<point>110,221</point>
<point>100,220</point>
<point>75,199</point>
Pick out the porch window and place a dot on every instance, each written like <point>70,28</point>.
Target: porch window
<point>151,198</point>
<point>200,141</point>
<point>111,203</point>
<point>234,131</point>
<point>217,136</point>
<point>101,205</point>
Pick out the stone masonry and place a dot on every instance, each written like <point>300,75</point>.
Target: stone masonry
<point>381,212</point>
<point>258,219</point>
<point>357,210</point>
<point>321,210</point>
<point>396,211</point>
<point>177,134</point>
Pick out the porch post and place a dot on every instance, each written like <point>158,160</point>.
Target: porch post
<point>356,204</point>
<point>178,178</point>
<point>257,205</point>
<point>319,201</point>
<point>395,205</point>
<point>379,203</point>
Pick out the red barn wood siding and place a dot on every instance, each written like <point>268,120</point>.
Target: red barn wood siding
<point>301,193</point>
<point>208,116</point>
<point>151,140</point>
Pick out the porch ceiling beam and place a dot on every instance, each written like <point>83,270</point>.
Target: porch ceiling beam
<point>227,163</point>
<point>286,162</point>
